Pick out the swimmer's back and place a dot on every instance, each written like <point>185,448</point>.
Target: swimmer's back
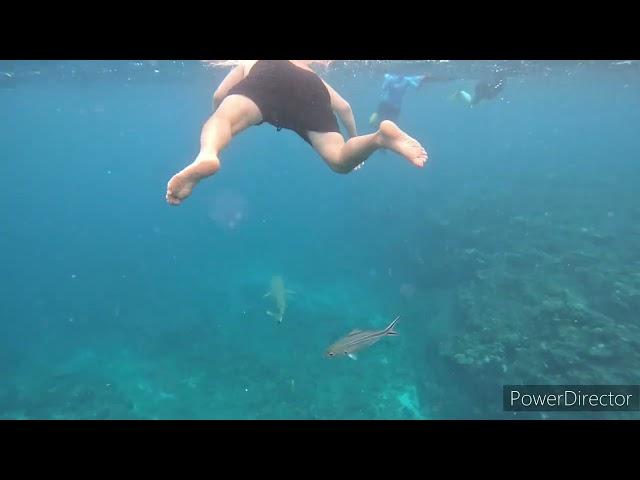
<point>247,65</point>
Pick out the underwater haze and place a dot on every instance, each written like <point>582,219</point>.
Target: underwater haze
<point>513,257</point>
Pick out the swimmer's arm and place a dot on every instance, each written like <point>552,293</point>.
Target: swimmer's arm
<point>230,81</point>
<point>343,109</point>
<point>433,78</point>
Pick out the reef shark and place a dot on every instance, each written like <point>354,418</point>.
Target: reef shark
<point>279,293</point>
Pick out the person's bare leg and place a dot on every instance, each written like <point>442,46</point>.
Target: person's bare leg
<point>235,114</point>
<point>344,157</point>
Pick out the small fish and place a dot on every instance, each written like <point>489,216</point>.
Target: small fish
<point>358,339</point>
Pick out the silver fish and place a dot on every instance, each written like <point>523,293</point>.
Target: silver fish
<point>358,339</point>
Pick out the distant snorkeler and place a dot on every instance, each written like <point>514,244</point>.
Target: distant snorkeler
<point>485,90</point>
<point>287,94</point>
<point>393,89</point>
<point>7,80</point>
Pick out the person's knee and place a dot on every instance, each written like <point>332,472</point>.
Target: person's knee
<point>338,167</point>
<point>332,159</point>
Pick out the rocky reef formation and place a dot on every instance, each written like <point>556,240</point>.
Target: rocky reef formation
<point>559,306</point>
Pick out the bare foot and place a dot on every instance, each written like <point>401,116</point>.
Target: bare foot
<point>182,183</point>
<point>391,137</point>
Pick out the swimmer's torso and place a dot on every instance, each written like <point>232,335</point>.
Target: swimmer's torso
<point>247,65</point>
<point>395,86</point>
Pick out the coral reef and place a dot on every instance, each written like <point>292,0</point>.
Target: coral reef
<point>541,315</point>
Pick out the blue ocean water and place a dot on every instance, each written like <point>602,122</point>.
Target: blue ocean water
<point>511,258</point>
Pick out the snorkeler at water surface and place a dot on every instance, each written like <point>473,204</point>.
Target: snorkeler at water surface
<point>484,90</point>
<point>287,94</point>
<point>393,89</point>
